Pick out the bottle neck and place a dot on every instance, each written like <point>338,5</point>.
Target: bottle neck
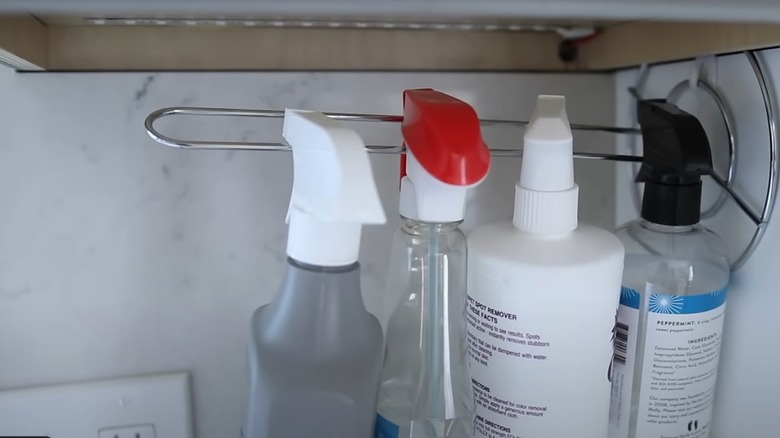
<point>329,296</point>
<point>419,228</point>
<point>671,204</point>
<point>668,229</point>
<point>545,213</point>
<point>314,269</point>
<point>315,242</point>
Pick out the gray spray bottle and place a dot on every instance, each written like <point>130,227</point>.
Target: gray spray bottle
<point>315,352</point>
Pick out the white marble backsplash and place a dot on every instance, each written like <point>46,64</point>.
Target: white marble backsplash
<point>119,256</point>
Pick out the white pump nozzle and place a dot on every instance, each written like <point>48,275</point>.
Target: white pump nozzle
<point>548,164</point>
<point>425,198</point>
<point>546,195</point>
<point>334,192</point>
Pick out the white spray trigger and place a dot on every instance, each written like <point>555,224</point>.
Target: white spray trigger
<point>334,192</point>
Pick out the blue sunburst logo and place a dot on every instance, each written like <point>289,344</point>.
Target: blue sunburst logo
<point>626,292</point>
<point>665,303</point>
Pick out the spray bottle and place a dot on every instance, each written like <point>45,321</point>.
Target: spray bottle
<point>673,298</point>
<point>315,352</point>
<point>426,389</point>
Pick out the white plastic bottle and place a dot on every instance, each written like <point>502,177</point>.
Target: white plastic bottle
<point>543,294</point>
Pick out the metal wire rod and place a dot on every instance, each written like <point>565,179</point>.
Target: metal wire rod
<point>770,105</point>
<point>344,117</point>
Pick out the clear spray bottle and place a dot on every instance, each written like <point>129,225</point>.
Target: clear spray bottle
<point>672,304</point>
<point>426,390</point>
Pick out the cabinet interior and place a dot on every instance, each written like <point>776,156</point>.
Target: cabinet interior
<point>77,43</point>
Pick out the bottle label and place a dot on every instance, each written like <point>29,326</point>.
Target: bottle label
<point>518,357</point>
<point>679,363</point>
<point>385,428</point>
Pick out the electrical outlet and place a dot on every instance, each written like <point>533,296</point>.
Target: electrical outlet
<point>135,431</point>
<point>137,407</point>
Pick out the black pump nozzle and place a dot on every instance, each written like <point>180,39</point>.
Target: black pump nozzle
<point>676,155</point>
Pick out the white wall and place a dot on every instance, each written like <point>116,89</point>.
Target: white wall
<point>120,257</point>
<point>746,402</point>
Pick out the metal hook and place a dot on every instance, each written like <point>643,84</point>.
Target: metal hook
<point>760,219</point>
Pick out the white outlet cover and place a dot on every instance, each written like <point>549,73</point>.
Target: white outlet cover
<point>80,410</point>
<point>134,431</point>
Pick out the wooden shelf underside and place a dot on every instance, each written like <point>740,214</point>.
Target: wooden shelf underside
<point>27,43</point>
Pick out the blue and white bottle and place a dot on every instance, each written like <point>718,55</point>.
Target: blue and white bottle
<point>672,306</point>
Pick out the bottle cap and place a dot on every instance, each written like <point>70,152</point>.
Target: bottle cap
<point>334,192</point>
<point>676,155</point>
<point>546,195</point>
<point>445,156</point>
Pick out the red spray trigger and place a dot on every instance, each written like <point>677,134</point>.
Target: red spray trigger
<point>444,135</point>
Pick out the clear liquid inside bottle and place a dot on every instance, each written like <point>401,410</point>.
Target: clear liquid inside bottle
<point>425,387</point>
<point>673,260</point>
